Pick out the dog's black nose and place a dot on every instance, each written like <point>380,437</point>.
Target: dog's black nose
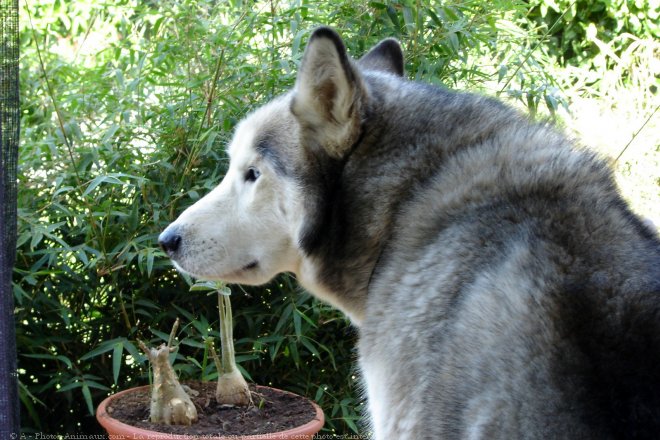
<point>170,240</point>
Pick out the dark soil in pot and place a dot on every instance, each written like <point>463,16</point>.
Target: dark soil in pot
<point>274,411</point>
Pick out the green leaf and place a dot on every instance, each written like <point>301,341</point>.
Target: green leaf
<point>319,393</point>
<point>551,102</point>
<point>308,344</point>
<point>434,17</point>
<point>391,13</point>
<point>186,314</point>
<point>134,352</point>
<point>36,239</point>
<point>192,343</point>
<point>293,349</point>
<point>51,357</point>
<point>88,398</point>
<point>102,348</point>
<point>348,418</point>
<point>94,384</point>
<point>453,42</point>
<point>306,318</point>
<point>150,262</point>
<point>162,335</point>
<point>70,386</point>
<point>110,133</point>
<point>203,286</point>
<point>244,372</point>
<point>99,180</point>
<point>274,349</point>
<point>116,360</point>
<point>284,318</point>
<point>297,323</point>
<point>28,400</point>
<point>501,72</point>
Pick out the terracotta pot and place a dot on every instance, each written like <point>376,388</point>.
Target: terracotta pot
<point>121,431</point>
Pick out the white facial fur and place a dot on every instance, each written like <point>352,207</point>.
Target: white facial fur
<point>244,231</point>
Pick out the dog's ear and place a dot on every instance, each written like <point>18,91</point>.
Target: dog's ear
<point>328,95</point>
<point>386,56</point>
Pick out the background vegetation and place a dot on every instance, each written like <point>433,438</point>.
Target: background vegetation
<point>127,106</point>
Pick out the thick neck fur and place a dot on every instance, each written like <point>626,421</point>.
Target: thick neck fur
<point>361,194</point>
<point>426,161</point>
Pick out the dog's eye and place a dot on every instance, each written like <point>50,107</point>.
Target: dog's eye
<point>252,174</point>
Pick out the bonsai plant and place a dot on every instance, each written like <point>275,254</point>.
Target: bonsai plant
<point>170,404</point>
<point>186,411</point>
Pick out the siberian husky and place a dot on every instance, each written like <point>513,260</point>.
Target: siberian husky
<point>501,286</point>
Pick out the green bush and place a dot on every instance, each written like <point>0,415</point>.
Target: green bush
<point>127,107</point>
<point>572,25</point>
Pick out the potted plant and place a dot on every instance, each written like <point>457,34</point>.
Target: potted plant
<point>229,408</point>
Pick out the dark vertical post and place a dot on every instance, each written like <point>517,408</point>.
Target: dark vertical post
<point>9,129</point>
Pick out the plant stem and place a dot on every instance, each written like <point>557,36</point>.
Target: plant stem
<point>214,356</point>
<point>226,334</point>
<point>232,388</point>
<point>173,333</point>
<point>636,133</point>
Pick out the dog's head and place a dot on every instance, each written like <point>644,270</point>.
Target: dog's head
<point>268,214</point>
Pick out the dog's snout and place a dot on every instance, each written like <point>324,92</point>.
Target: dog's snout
<point>170,240</point>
